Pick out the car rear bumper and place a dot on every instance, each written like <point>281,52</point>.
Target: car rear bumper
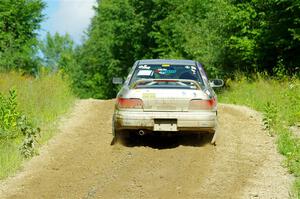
<point>204,121</point>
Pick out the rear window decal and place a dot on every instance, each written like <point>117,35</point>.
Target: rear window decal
<point>164,71</point>
<point>145,73</point>
<point>144,67</point>
<point>207,92</point>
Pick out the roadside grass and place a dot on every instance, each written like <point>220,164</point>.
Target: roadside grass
<point>10,157</point>
<point>279,101</point>
<point>43,100</point>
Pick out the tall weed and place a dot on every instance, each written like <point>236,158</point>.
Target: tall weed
<point>9,115</point>
<point>270,117</point>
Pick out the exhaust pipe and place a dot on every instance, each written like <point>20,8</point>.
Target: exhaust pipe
<point>141,132</point>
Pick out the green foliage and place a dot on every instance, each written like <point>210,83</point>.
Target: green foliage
<point>226,36</point>
<point>30,133</point>
<point>283,94</point>
<point>292,94</point>
<point>122,32</point>
<point>269,26</point>
<point>270,118</point>
<point>206,31</point>
<point>58,52</point>
<point>42,100</point>
<point>19,21</point>
<point>13,122</point>
<point>10,157</point>
<point>9,115</point>
<point>111,48</point>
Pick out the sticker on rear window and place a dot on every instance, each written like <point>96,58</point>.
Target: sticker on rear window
<point>144,67</point>
<point>193,69</point>
<point>164,71</point>
<point>145,73</point>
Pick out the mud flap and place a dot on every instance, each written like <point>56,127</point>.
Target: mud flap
<point>214,139</point>
<point>113,131</point>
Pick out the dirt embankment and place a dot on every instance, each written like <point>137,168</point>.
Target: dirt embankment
<point>80,163</point>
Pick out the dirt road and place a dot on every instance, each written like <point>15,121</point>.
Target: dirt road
<point>80,163</point>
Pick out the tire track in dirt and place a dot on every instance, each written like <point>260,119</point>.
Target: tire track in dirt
<point>80,163</point>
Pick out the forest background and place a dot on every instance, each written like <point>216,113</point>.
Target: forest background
<point>227,36</point>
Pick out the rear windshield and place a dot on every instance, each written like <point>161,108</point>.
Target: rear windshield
<point>167,71</point>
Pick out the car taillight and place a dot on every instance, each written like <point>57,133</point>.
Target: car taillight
<point>129,103</point>
<point>200,104</point>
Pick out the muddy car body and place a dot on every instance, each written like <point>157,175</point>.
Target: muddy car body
<point>166,96</point>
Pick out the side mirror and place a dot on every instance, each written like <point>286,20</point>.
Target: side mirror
<point>117,80</point>
<point>215,83</point>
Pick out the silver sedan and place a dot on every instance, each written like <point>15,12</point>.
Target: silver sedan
<point>166,96</point>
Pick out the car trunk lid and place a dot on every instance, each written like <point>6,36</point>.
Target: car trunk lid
<point>168,99</point>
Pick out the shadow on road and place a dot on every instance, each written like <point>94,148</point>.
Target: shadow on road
<point>162,141</point>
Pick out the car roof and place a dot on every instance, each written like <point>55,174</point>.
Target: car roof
<point>167,61</point>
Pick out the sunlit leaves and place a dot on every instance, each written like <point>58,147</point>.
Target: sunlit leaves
<point>19,22</point>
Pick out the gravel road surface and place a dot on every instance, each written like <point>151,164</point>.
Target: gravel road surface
<point>79,161</point>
